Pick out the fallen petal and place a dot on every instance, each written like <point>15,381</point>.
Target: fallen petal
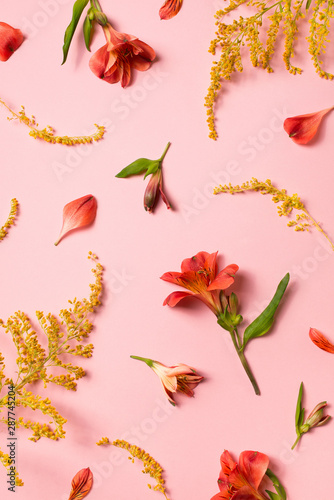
<point>303,128</point>
<point>78,213</point>
<point>81,484</point>
<point>170,8</point>
<point>320,340</point>
<point>10,40</point>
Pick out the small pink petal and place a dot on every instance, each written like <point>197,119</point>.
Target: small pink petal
<point>303,128</point>
<point>78,213</point>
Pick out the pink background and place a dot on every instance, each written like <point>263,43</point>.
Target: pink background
<point>121,397</point>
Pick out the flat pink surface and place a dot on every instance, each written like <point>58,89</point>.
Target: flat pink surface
<point>121,397</point>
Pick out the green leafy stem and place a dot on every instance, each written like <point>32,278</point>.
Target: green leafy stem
<point>259,327</point>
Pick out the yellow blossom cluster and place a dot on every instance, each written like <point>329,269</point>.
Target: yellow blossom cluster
<point>11,218</point>
<point>151,466</point>
<point>286,203</point>
<point>246,31</point>
<point>35,363</point>
<point>47,133</point>
<point>6,461</point>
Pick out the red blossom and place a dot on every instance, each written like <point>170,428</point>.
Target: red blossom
<point>242,481</point>
<point>199,276</point>
<point>114,61</point>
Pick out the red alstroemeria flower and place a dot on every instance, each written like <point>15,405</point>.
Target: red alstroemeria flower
<point>10,40</point>
<point>321,341</point>
<point>241,481</point>
<point>303,128</point>
<point>179,378</point>
<point>170,8</point>
<point>199,276</point>
<point>113,62</point>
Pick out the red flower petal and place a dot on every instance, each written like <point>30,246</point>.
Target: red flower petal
<point>253,465</point>
<point>195,263</point>
<point>224,279</point>
<point>81,484</point>
<point>78,213</point>
<point>175,297</point>
<point>10,40</point>
<point>303,128</point>
<point>321,341</point>
<point>227,464</point>
<point>170,8</point>
<point>245,493</point>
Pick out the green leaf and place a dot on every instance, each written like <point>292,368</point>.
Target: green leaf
<point>299,417</point>
<point>155,164</point>
<point>78,7</point>
<point>262,324</point>
<point>139,167</point>
<point>273,496</point>
<point>281,494</point>
<point>87,29</point>
<point>308,4</point>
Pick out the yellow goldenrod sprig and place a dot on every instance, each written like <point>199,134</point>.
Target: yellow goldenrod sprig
<point>302,222</point>
<point>151,466</point>
<point>35,363</point>
<point>14,204</point>
<point>47,133</point>
<point>284,16</point>
<point>7,462</point>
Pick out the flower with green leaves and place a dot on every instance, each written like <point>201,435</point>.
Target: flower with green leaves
<point>201,278</point>
<point>113,61</point>
<point>153,168</point>
<point>315,419</point>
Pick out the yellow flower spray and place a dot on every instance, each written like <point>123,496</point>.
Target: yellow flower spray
<point>151,466</point>
<point>35,363</point>
<point>11,218</point>
<point>283,16</point>
<point>47,133</point>
<point>303,221</point>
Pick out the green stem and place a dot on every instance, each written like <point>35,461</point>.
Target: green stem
<point>148,361</point>
<point>165,151</point>
<point>295,443</point>
<point>234,337</point>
